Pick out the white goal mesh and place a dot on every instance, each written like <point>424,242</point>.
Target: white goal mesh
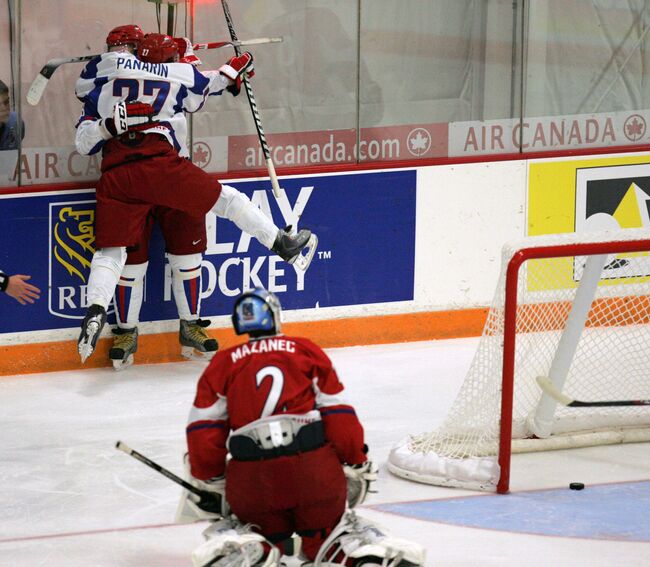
<point>608,360</point>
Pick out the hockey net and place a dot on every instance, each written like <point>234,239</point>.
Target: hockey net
<point>574,308</point>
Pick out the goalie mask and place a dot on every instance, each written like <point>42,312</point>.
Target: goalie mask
<point>157,48</point>
<point>130,35</point>
<point>258,313</point>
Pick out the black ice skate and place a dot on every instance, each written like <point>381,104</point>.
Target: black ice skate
<point>91,328</point>
<point>125,344</point>
<point>195,342</point>
<point>290,247</point>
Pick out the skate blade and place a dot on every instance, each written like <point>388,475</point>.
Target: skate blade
<point>86,346</point>
<point>192,354</point>
<point>301,261</point>
<point>121,365</point>
<point>85,350</point>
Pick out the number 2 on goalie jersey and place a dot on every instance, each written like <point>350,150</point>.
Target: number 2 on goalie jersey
<point>149,88</point>
<point>277,383</point>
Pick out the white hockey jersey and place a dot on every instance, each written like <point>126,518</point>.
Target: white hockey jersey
<point>171,88</point>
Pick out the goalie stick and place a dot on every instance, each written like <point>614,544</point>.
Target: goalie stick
<point>39,84</point>
<point>208,501</point>
<point>547,386</point>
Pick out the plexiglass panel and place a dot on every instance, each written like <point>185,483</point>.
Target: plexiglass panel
<point>353,81</point>
<point>11,125</point>
<point>305,87</point>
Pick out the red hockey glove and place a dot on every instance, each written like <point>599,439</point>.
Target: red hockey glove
<point>129,117</point>
<point>236,68</point>
<point>186,51</point>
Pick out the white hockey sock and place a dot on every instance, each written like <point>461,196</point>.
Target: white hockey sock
<point>105,270</point>
<point>129,294</point>
<point>186,284</point>
<point>236,207</point>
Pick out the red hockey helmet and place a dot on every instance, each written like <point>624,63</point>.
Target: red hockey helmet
<point>125,35</point>
<point>158,48</point>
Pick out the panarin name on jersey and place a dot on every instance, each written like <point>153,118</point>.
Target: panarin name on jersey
<point>131,63</point>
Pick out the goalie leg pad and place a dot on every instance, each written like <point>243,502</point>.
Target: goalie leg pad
<point>355,539</point>
<point>229,543</point>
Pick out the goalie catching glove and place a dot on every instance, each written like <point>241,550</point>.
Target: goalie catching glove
<point>360,479</point>
<point>127,117</point>
<point>236,68</point>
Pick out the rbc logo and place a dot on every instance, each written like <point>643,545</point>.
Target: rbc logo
<point>72,245</point>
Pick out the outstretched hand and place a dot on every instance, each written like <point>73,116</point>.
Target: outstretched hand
<point>21,291</point>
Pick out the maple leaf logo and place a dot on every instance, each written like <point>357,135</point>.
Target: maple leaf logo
<point>635,127</point>
<point>419,142</point>
<point>201,154</point>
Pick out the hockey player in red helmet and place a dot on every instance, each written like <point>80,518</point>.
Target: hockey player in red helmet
<point>133,112</point>
<point>124,38</point>
<point>158,48</point>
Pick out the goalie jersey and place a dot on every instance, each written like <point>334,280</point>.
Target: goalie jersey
<point>171,88</point>
<point>265,377</point>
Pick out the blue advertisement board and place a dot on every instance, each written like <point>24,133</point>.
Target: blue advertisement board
<point>366,254</point>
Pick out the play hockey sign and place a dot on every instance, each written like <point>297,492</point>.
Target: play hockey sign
<point>365,223</point>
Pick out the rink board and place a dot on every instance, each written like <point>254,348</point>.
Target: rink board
<point>362,220</point>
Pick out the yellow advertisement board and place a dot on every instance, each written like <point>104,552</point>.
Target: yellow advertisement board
<point>585,195</point>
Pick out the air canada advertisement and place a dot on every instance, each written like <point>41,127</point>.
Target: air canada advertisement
<point>366,254</point>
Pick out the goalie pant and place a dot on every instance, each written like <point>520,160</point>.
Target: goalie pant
<point>304,493</point>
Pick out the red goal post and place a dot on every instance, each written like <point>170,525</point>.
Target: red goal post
<point>574,308</point>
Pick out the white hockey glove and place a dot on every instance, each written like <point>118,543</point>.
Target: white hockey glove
<point>192,508</point>
<point>127,117</point>
<point>235,69</point>
<point>186,51</point>
<point>360,479</point>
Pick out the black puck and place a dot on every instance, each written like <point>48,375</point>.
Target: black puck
<point>576,486</point>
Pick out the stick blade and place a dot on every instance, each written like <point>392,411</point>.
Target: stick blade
<point>122,447</point>
<point>260,41</point>
<point>36,89</point>
<point>549,388</point>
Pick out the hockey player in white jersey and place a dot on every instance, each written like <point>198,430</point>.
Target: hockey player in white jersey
<point>185,242</point>
<point>133,113</point>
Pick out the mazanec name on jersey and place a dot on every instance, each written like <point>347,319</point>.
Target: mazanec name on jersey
<point>265,345</point>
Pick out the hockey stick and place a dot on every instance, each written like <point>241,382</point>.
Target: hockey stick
<point>208,501</point>
<point>547,386</point>
<point>253,105</point>
<point>243,43</point>
<point>39,84</point>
